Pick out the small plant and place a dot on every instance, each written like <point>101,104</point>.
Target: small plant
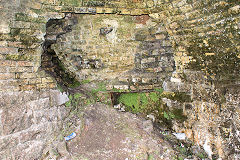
<point>160,90</point>
<point>154,96</point>
<point>168,115</point>
<point>74,100</point>
<point>74,84</point>
<point>150,157</point>
<point>201,155</point>
<point>101,87</point>
<point>86,81</point>
<point>60,88</point>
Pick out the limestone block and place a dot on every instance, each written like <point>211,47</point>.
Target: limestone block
<point>158,69</point>
<point>125,11</point>
<point>3,69</point>
<point>146,87</point>
<point>146,80</point>
<point>52,85</point>
<point>16,44</point>
<point>138,12</point>
<point>176,80</point>
<point>41,86</point>
<point>160,36</point>
<point>8,50</point>
<point>36,5</point>
<point>170,86</point>
<point>80,9</point>
<point>58,98</point>
<point>123,79</point>
<point>136,79</point>
<point>155,52</point>
<point>154,15</point>
<point>148,60</point>
<point>5,76</point>
<point>7,63</point>
<point>235,9</point>
<point>4,27</point>
<point>27,75</point>
<point>28,87</point>
<point>20,69</point>
<point>20,24</point>
<point>166,43</point>
<point>47,80</point>
<point>123,87</point>
<point>3,43</point>
<point>133,88</point>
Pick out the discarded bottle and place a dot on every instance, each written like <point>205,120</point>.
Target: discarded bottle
<point>71,136</point>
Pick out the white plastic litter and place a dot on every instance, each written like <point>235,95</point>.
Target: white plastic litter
<point>180,136</point>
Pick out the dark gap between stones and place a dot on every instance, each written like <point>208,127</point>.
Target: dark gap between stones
<point>50,62</point>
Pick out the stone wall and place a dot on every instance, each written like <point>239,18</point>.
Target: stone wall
<point>29,121</point>
<point>136,51</point>
<point>204,38</point>
<point>31,111</point>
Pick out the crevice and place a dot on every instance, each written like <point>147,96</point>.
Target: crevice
<point>50,62</point>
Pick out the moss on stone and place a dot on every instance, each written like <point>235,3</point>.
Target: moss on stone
<point>75,83</point>
<point>75,3</point>
<point>15,32</point>
<point>135,102</point>
<point>223,64</point>
<point>28,40</point>
<point>141,35</point>
<point>151,103</point>
<point>19,57</point>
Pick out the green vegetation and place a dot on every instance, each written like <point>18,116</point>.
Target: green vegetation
<point>150,157</point>
<point>151,103</point>
<point>28,40</point>
<point>19,57</point>
<point>160,90</point>
<point>101,87</point>
<point>26,18</point>
<point>74,100</point>
<point>60,88</point>
<point>86,81</point>
<point>74,84</point>
<point>168,115</point>
<point>202,156</point>
<point>100,94</point>
<point>66,78</point>
<point>71,2</point>
<point>223,62</point>
<point>135,102</point>
<point>15,32</point>
<point>119,90</point>
<point>154,96</point>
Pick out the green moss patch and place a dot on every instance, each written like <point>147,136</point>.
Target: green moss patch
<point>20,57</point>
<point>151,103</point>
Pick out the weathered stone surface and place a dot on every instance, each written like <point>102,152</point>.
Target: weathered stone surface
<point>25,130</point>
<point>108,134</point>
<point>112,55</point>
<point>190,30</point>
